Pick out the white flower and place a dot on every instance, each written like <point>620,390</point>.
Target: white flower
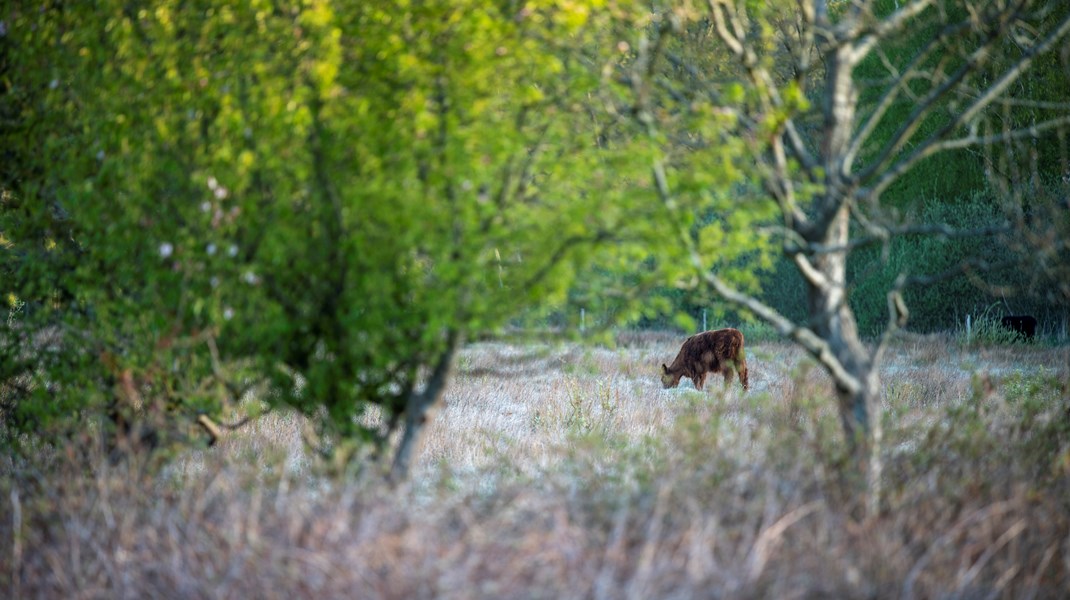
<point>228,313</point>
<point>100,155</point>
<point>212,183</point>
<point>166,249</point>
<point>214,281</point>
<point>210,249</point>
<point>206,206</point>
<point>220,192</point>
<point>250,278</point>
<point>232,251</point>
<point>53,84</point>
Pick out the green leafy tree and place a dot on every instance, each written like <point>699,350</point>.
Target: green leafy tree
<point>320,199</point>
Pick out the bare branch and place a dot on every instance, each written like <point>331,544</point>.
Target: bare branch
<point>924,109</point>
<point>210,428</point>
<point>560,253</point>
<point>898,315</point>
<point>990,95</point>
<point>1026,103</point>
<point>973,265</point>
<point>935,230</point>
<point>798,149</point>
<point>786,186</point>
<point>895,23</point>
<point>815,277</point>
<point>734,44</point>
<point>902,79</point>
<point>1033,131</point>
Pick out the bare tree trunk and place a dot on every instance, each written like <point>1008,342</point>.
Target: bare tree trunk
<point>832,319</point>
<point>419,406</point>
<point>857,383</point>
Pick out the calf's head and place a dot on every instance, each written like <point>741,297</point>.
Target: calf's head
<point>668,380</point>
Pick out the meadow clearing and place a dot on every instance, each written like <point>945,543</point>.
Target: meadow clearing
<point>560,470</point>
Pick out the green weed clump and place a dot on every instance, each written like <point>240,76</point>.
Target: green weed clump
<point>988,332</point>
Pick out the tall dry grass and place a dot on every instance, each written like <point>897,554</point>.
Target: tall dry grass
<point>561,471</point>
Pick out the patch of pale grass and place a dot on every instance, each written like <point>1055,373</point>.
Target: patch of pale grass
<point>525,405</point>
<point>523,409</point>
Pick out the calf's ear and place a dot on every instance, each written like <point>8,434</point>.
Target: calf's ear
<point>664,369</point>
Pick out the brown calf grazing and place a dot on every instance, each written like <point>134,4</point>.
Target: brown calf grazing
<point>718,351</point>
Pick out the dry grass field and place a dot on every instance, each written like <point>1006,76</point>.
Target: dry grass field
<point>565,471</point>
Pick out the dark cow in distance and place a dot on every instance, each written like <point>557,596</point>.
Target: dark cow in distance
<point>1025,325</point>
<point>718,351</point>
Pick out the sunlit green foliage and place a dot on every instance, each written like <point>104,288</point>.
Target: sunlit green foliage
<point>321,196</point>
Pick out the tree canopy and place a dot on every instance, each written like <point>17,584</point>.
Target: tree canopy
<point>322,199</point>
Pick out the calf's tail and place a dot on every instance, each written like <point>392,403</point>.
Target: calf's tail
<point>741,364</point>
